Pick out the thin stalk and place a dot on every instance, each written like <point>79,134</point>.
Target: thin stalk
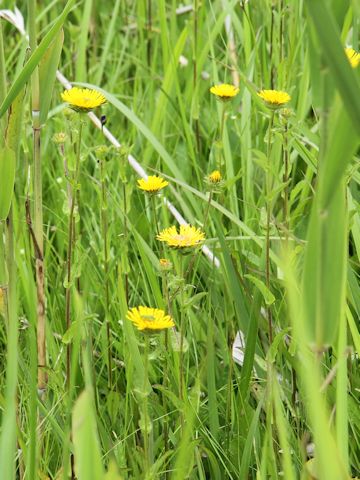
<point>153,206</point>
<point>229,389</point>
<point>281,30</point>
<point>182,335</point>
<point>71,247</point>
<point>146,434</point>
<point>222,125</point>
<point>149,30</point>
<point>8,426</point>
<point>206,214</point>
<point>165,290</point>
<point>38,208</point>
<point>104,223</point>
<point>126,239</point>
<point>195,69</point>
<point>286,188</point>
<point>268,218</point>
<point>272,48</point>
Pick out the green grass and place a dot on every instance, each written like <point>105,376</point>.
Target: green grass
<point>292,409</point>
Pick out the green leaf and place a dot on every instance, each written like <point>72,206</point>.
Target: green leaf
<point>34,60</point>
<point>47,74</point>
<point>268,296</point>
<point>325,270</point>
<point>88,465</point>
<point>343,75</point>
<point>7,176</point>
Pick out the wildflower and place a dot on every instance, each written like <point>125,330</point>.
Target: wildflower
<point>224,91</point>
<point>215,177</point>
<point>153,184</point>
<point>149,319</point>
<point>59,138</point>
<point>187,237</point>
<point>353,57</point>
<point>274,98</point>
<point>83,99</point>
<point>165,264</point>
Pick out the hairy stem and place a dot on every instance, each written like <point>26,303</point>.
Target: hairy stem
<point>268,218</point>
<point>104,223</point>
<point>70,252</point>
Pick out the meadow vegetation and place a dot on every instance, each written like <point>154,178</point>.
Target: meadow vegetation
<point>179,239</point>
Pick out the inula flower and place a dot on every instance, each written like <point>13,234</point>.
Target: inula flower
<point>149,320</point>
<point>224,91</point>
<point>153,184</point>
<point>215,177</point>
<point>83,99</point>
<point>274,98</point>
<point>186,237</point>
<point>353,56</point>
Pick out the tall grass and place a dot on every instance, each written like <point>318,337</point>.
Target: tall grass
<point>259,379</point>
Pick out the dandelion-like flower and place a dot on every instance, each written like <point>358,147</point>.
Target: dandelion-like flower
<point>153,184</point>
<point>149,320</point>
<point>353,57</point>
<point>215,177</point>
<point>187,237</point>
<point>83,99</point>
<point>274,98</point>
<point>224,91</point>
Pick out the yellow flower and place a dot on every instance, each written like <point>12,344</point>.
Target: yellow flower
<point>215,177</point>
<point>224,91</point>
<point>187,236</point>
<point>149,319</point>
<point>353,57</point>
<point>83,99</point>
<point>153,184</point>
<point>274,98</point>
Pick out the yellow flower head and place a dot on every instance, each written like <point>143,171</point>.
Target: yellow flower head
<point>224,91</point>
<point>215,177</point>
<point>274,98</point>
<point>353,57</point>
<point>149,320</point>
<point>187,237</point>
<point>83,99</point>
<point>153,184</point>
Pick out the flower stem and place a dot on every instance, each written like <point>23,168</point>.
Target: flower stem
<point>146,433</point>
<point>286,188</point>
<point>182,334</point>
<point>38,211</point>
<point>71,247</point>
<point>222,125</point>
<point>104,223</point>
<point>268,218</point>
